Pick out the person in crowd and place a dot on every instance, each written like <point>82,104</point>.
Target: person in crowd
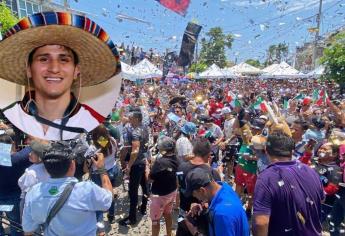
<point>184,147</point>
<point>10,192</point>
<point>164,185</point>
<point>78,201</point>
<point>226,215</point>
<point>35,173</point>
<point>288,194</point>
<point>201,158</point>
<point>108,147</point>
<point>138,139</point>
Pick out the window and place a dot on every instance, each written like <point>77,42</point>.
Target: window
<point>28,8</point>
<point>12,5</point>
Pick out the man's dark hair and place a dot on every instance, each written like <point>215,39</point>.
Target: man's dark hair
<point>201,147</point>
<point>57,159</point>
<point>75,56</point>
<point>302,123</point>
<point>279,144</point>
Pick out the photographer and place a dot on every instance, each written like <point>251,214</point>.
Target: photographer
<point>226,216</point>
<point>78,201</point>
<point>201,159</point>
<point>108,147</point>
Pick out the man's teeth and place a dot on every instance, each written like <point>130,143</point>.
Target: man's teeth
<point>53,79</point>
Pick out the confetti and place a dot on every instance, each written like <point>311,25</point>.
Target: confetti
<point>281,183</point>
<point>300,217</point>
<point>309,201</point>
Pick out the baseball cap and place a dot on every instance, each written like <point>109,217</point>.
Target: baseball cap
<point>188,128</point>
<point>226,110</point>
<point>258,124</point>
<point>197,178</point>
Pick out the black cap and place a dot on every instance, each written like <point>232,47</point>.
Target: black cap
<point>58,151</point>
<point>197,178</point>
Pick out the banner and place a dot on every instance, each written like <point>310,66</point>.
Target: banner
<point>190,37</point>
<point>178,6</point>
<point>169,61</point>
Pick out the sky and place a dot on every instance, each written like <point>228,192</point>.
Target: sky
<point>255,24</point>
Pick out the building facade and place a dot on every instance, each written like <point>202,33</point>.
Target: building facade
<point>23,8</point>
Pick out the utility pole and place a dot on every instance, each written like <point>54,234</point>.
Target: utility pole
<point>65,5</point>
<point>317,34</point>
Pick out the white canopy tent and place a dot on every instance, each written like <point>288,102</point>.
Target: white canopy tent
<point>281,71</point>
<point>213,72</point>
<point>145,70</point>
<point>245,69</point>
<point>317,72</point>
<point>128,72</point>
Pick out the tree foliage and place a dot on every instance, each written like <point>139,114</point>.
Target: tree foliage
<point>277,53</point>
<point>253,62</point>
<point>334,59</point>
<point>7,19</point>
<point>213,47</point>
<point>198,67</point>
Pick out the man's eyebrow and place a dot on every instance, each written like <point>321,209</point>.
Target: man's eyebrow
<point>60,55</point>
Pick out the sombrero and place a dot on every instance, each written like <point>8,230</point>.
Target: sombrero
<point>98,57</point>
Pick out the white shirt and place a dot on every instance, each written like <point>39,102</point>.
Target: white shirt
<point>228,124</point>
<point>183,147</point>
<point>36,173</point>
<point>78,214</point>
<point>29,125</point>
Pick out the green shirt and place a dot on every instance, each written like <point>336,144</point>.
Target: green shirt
<point>247,165</point>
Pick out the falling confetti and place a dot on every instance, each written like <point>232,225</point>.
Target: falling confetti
<point>309,201</point>
<point>300,217</point>
<point>281,183</point>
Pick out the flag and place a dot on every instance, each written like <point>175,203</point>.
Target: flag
<point>189,39</point>
<point>323,97</point>
<point>235,103</point>
<point>259,104</point>
<point>315,95</point>
<point>178,6</point>
<point>286,105</point>
<point>299,96</point>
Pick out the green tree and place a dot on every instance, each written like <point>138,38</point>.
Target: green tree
<point>213,47</point>
<point>334,59</point>
<point>198,67</point>
<point>276,53</point>
<point>7,19</point>
<point>253,62</point>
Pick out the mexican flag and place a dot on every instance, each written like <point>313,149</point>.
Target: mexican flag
<point>316,95</point>
<point>323,97</point>
<point>235,103</point>
<point>259,104</point>
<point>299,96</point>
<point>230,96</point>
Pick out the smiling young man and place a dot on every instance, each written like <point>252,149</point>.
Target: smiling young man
<point>54,54</point>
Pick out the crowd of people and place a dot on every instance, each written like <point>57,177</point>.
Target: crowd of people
<point>237,157</point>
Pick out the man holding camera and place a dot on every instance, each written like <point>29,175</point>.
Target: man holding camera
<point>62,205</point>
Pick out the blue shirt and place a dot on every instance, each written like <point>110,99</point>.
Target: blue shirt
<point>227,216</point>
<point>76,217</point>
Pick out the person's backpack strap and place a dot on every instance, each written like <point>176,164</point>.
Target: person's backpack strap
<point>59,203</point>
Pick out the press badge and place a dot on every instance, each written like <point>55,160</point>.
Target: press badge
<point>5,154</point>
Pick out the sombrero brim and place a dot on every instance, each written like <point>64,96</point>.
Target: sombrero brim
<point>96,60</point>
